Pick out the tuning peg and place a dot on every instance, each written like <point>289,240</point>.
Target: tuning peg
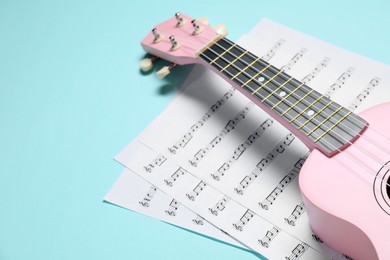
<point>174,44</point>
<point>146,64</point>
<point>197,29</point>
<point>203,20</point>
<point>157,36</point>
<point>180,20</point>
<point>221,29</point>
<point>164,71</point>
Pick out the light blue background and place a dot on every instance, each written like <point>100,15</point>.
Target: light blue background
<point>72,96</point>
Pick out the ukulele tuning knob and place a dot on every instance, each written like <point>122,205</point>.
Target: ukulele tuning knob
<point>180,20</point>
<point>203,20</point>
<point>197,28</point>
<point>146,64</point>
<point>164,71</point>
<point>221,30</point>
<point>174,44</point>
<point>157,36</point>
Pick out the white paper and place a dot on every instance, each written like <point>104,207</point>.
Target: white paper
<point>232,187</point>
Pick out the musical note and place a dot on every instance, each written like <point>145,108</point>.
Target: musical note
<point>219,206</point>
<point>316,70</point>
<point>156,162</point>
<point>298,251</point>
<point>294,60</point>
<point>195,192</point>
<point>364,94</point>
<point>241,149</point>
<point>269,200</point>
<point>269,236</point>
<point>198,220</point>
<point>179,172</point>
<point>248,215</point>
<point>173,206</point>
<point>297,212</point>
<point>262,165</point>
<point>316,238</point>
<point>339,82</point>
<point>148,197</point>
<point>273,49</point>
<point>195,127</point>
<point>231,125</point>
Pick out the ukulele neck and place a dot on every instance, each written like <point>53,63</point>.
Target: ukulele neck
<point>315,119</point>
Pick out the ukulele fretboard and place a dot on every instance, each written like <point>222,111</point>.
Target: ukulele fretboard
<point>327,124</point>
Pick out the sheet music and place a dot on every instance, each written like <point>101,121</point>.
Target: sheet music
<point>132,192</point>
<point>235,166</point>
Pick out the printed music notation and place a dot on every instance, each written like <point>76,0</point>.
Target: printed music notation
<point>316,70</point>
<point>273,50</point>
<point>219,206</point>
<point>317,238</point>
<point>196,191</point>
<point>339,82</point>
<point>297,212</point>
<point>229,206</point>
<point>262,165</point>
<point>198,220</point>
<point>248,215</point>
<point>179,172</point>
<point>148,197</point>
<point>230,126</point>
<point>364,94</point>
<point>270,199</point>
<point>269,236</point>
<point>298,251</point>
<point>173,206</point>
<point>241,149</point>
<point>294,60</point>
<point>156,162</point>
<point>205,117</point>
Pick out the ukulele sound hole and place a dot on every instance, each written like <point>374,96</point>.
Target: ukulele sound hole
<point>381,188</point>
<point>388,187</point>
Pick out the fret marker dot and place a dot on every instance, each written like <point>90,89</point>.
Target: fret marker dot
<point>282,93</point>
<point>261,79</point>
<point>310,113</point>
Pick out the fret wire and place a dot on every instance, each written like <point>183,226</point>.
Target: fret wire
<point>229,41</point>
<point>249,65</point>
<point>257,59</point>
<point>267,82</point>
<point>281,86</point>
<point>242,54</point>
<point>254,56</point>
<point>290,107</point>
<point>226,50</point>
<point>326,119</point>
<point>316,114</point>
<point>257,74</point>
<point>307,107</point>
<point>338,122</point>
<point>293,107</point>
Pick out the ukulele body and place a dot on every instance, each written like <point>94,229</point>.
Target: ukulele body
<point>347,196</point>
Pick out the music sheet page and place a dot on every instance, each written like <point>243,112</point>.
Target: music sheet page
<point>226,165</point>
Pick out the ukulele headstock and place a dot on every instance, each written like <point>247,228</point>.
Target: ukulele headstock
<point>177,40</point>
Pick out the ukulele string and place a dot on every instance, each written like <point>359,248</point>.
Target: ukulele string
<point>215,41</point>
<point>377,160</point>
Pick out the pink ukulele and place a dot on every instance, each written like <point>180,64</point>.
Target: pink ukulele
<point>345,182</point>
